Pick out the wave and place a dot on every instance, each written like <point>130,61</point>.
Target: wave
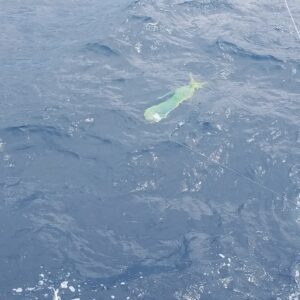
<point>102,49</point>
<point>235,50</point>
<point>39,129</point>
<point>207,5</point>
<point>141,18</point>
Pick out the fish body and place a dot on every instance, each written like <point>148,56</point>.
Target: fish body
<point>160,111</point>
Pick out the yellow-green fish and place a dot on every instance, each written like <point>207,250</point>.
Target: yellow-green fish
<point>160,111</point>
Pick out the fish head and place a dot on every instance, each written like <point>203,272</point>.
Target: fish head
<point>152,116</point>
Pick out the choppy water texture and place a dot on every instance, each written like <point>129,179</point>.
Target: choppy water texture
<point>102,205</point>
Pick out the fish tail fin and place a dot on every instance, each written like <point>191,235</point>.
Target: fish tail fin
<point>55,294</point>
<point>195,84</point>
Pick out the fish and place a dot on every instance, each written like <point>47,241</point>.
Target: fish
<point>160,111</point>
<point>55,295</point>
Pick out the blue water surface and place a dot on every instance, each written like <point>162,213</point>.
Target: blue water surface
<point>97,203</point>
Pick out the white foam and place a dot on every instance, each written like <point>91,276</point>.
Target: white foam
<point>89,120</point>
<point>1,146</point>
<point>71,288</point>
<point>64,285</point>
<point>138,47</point>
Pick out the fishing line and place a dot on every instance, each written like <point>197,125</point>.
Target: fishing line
<point>292,18</point>
<point>228,168</point>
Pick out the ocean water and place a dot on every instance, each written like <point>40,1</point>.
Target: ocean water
<point>98,204</point>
